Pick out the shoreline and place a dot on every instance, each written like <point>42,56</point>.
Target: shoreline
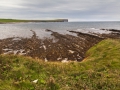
<point>60,48</point>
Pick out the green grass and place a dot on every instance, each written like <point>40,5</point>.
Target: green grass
<point>17,20</point>
<point>11,20</point>
<point>99,71</point>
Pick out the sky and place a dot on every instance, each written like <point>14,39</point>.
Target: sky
<point>74,10</point>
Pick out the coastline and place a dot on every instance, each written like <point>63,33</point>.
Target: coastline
<point>59,48</point>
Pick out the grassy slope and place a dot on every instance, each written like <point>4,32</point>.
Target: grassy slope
<point>100,70</point>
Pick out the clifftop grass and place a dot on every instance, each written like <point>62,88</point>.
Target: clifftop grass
<point>17,20</point>
<point>11,20</point>
<point>99,71</point>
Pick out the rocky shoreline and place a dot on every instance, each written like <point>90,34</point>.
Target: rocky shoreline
<point>58,48</point>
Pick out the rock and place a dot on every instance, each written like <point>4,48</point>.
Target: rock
<point>35,81</point>
<point>70,51</point>
<point>66,48</point>
<point>65,60</point>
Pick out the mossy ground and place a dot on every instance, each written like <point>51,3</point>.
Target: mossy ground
<point>100,70</point>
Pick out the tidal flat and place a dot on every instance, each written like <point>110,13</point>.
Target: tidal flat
<point>60,47</point>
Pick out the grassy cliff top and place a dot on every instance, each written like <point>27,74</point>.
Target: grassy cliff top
<point>17,20</point>
<point>99,70</point>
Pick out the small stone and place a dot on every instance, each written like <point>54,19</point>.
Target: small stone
<point>35,81</point>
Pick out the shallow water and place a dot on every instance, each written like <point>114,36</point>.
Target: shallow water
<point>23,29</point>
<point>62,42</point>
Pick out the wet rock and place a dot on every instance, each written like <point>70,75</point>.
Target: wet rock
<point>114,30</point>
<point>59,48</point>
<point>48,30</point>
<point>114,33</point>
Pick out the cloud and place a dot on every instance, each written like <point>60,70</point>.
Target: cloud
<point>51,9</point>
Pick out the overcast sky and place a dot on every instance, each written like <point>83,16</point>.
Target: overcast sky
<point>74,10</point>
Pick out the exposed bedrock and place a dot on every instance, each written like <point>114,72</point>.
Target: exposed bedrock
<point>59,47</point>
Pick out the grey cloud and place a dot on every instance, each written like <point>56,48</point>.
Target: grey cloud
<point>71,9</point>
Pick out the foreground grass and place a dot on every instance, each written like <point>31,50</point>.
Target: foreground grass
<point>99,71</point>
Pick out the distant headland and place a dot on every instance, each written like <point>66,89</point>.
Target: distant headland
<point>2,21</point>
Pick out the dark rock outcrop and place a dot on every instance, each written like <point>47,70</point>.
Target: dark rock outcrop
<point>60,47</point>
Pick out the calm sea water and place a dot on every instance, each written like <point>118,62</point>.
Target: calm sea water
<point>23,29</point>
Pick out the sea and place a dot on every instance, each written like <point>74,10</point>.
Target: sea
<point>24,29</point>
